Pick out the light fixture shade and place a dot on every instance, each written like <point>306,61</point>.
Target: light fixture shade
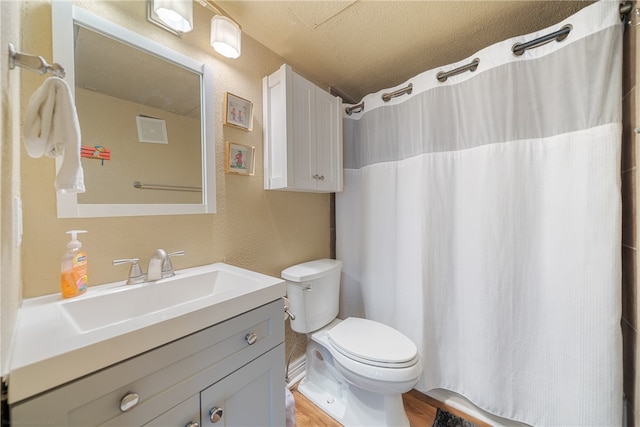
<point>177,14</point>
<point>225,36</point>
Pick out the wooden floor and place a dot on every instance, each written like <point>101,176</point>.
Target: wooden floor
<point>421,410</point>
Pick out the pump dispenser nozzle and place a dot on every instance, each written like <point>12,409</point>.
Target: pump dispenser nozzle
<point>74,242</point>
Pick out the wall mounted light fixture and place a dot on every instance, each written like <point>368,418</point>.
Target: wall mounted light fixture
<point>226,37</point>
<point>226,34</point>
<point>175,16</point>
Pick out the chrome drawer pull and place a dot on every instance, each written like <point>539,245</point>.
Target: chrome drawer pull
<point>215,414</point>
<point>192,424</point>
<point>129,401</point>
<point>251,338</point>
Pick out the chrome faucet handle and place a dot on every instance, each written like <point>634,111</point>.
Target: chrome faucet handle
<point>167,266</point>
<point>135,272</point>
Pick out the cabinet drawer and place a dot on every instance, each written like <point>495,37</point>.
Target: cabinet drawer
<point>183,414</point>
<point>162,378</point>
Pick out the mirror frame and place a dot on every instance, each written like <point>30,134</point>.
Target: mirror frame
<point>64,16</point>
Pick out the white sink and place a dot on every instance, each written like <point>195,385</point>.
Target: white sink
<point>128,302</point>
<point>60,340</point>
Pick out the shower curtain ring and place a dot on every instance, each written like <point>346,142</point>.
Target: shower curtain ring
<point>634,17</point>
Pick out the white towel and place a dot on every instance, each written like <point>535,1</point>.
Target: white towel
<point>51,127</point>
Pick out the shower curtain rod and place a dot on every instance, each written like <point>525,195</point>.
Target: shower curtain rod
<point>142,186</point>
<point>386,97</point>
<point>442,76</point>
<point>359,108</point>
<point>518,49</point>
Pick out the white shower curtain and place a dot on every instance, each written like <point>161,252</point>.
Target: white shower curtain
<point>481,217</point>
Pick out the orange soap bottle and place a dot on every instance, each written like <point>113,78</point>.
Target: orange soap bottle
<point>73,277</point>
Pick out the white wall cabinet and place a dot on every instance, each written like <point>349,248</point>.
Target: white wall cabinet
<point>180,382</point>
<point>302,134</point>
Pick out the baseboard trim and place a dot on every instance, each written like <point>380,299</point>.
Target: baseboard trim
<point>297,369</point>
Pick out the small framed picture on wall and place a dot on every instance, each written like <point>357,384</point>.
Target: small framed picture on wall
<point>238,112</point>
<point>239,158</point>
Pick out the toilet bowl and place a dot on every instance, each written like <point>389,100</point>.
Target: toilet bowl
<point>356,369</point>
<point>374,356</point>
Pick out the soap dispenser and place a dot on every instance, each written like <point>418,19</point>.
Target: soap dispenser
<point>73,278</point>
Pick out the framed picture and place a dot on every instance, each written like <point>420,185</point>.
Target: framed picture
<point>239,158</point>
<point>238,112</point>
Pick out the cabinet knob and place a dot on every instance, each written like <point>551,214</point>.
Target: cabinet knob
<point>129,401</point>
<point>215,414</point>
<point>321,177</point>
<point>192,424</point>
<point>251,338</point>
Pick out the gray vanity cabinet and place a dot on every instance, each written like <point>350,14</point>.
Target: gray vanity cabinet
<point>236,365</point>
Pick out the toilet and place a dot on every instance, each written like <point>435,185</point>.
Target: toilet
<point>356,369</point>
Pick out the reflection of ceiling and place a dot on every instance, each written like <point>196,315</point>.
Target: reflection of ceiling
<point>109,67</point>
<point>364,46</point>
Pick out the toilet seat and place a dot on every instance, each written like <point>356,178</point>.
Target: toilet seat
<point>372,343</point>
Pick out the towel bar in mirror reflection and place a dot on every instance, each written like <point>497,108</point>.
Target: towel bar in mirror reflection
<point>116,75</point>
<point>148,186</point>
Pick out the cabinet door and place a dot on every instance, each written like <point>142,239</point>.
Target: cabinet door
<point>328,145</point>
<point>303,144</point>
<point>277,106</point>
<point>254,395</point>
<point>185,414</point>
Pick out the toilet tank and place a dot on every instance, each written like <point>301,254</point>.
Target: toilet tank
<point>313,289</point>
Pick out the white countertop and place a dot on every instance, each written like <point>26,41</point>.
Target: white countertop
<point>49,350</point>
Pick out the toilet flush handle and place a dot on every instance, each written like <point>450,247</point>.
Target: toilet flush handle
<point>290,314</point>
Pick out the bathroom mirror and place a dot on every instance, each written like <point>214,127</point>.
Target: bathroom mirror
<point>148,148</point>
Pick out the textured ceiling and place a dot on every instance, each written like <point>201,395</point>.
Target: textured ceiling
<point>363,46</point>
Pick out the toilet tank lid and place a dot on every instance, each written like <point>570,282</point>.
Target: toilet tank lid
<point>311,270</point>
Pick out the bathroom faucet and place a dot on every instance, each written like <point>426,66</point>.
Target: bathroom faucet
<point>160,266</point>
